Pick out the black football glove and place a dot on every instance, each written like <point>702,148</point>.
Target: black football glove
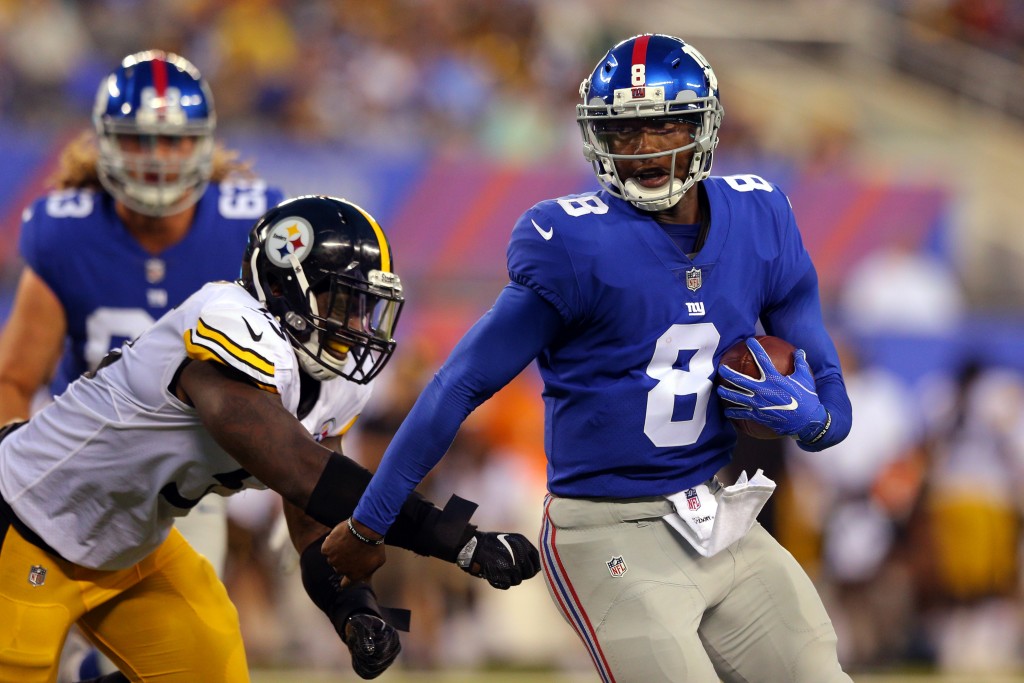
<point>503,559</point>
<point>373,643</point>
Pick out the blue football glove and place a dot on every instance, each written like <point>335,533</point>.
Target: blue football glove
<point>787,405</point>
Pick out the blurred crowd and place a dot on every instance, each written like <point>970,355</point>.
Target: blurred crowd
<point>995,25</point>
<point>911,527</point>
<point>324,69</point>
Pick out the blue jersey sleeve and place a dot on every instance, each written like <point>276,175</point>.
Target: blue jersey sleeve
<point>796,315</point>
<point>539,260</point>
<point>53,231</point>
<point>29,242</point>
<point>496,349</point>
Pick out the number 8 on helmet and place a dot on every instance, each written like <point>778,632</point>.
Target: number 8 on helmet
<point>650,77</point>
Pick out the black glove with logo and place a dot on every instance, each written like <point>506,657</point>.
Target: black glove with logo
<point>503,559</point>
<point>369,631</point>
<point>373,644</point>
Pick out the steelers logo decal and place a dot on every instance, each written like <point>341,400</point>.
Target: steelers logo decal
<point>292,235</point>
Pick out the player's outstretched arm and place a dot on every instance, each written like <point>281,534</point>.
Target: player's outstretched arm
<point>253,426</point>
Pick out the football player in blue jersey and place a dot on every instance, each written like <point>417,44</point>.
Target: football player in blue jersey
<point>146,210</point>
<point>627,297</point>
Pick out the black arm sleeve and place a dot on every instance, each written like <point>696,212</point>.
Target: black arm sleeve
<point>420,527</point>
<point>424,529</point>
<point>321,585</point>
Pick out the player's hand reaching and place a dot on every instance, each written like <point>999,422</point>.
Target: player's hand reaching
<point>503,559</point>
<point>354,551</point>
<point>787,404</point>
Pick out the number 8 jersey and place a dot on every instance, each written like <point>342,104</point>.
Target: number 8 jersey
<point>629,402</point>
<point>110,287</point>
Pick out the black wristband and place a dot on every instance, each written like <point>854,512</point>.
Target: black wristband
<point>426,530</point>
<point>337,491</point>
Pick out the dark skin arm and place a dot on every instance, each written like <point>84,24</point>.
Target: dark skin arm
<point>255,429</point>
<point>302,528</point>
<point>353,559</point>
<point>269,442</point>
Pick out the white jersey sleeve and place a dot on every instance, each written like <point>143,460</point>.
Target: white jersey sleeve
<point>248,341</point>
<point>335,411</point>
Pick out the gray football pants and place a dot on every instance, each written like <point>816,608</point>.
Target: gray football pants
<point>649,608</point>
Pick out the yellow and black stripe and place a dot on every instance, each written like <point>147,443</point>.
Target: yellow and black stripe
<point>382,240</point>
<point>209,343</point>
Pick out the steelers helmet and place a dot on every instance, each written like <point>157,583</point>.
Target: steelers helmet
<point>323,267</point>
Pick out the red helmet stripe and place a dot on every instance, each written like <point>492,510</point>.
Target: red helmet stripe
<point>159,67</point>
<point>640,52</point>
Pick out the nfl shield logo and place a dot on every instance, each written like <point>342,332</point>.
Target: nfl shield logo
<point>37,575</point>
<point>692,501</point>
<point>155,271</point>
<point>693,279</point>
<point>617,566</point>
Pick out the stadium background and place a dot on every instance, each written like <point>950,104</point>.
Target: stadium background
<point>896,127</point>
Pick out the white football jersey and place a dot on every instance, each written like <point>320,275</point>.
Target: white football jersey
<point>101,473</point>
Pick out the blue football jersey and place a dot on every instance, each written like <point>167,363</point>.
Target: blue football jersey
<point>111,289</point>
<point>630,406</point>
<point>627,331</point>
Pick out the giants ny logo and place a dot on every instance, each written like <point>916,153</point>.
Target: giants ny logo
<point>695,308</point>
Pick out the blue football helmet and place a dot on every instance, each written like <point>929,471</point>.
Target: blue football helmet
<point>155,120</point>
<point>650,76</point>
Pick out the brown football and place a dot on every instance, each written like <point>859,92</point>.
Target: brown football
<point>739,358</point>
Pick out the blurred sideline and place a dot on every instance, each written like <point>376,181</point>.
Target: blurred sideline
<point>907,194</point>
<point>499,677</point>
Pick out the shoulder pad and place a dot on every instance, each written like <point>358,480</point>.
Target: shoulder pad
<point>244,338</point>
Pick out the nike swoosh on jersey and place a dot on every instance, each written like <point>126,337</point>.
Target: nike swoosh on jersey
<point>503,537</point>
<point>792,405</point>
<point>546,234</point>
<point>252,332</point>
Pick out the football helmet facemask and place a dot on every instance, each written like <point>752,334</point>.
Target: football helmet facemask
<point>154,119</point>
<point>323,267</point>
<point>650,76</point>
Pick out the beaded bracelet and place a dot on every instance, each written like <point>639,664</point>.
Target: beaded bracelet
<point>364,539</point>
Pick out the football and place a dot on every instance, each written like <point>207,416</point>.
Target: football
<point>739,358</point>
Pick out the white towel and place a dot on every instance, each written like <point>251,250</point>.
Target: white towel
<point>711,522</point>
